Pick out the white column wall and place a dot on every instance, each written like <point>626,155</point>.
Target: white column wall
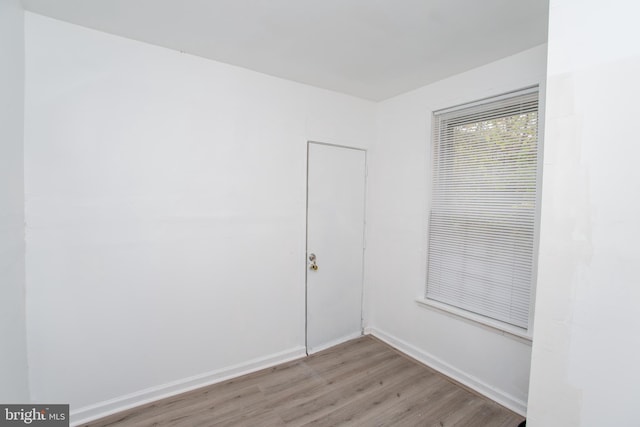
<point>13,347</point>
<point>585,368</point>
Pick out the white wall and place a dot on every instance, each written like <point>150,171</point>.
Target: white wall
<point>13,347</point>
<point>396,253</point>
<point>165,204</point>
<point>585,369</point>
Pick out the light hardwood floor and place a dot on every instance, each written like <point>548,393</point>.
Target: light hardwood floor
<point>362,382</point>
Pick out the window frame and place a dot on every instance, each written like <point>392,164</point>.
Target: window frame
<point>482,320</point>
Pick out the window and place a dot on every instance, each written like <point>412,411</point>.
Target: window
<point>482,222</point>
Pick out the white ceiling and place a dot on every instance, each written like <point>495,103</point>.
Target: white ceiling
<point>373,49</point>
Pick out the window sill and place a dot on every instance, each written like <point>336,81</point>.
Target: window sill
<point>496,325</point>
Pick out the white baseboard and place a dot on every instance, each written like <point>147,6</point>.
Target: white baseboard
<point>470,381</point>
<point>335,342</point>
<point>112,406</point>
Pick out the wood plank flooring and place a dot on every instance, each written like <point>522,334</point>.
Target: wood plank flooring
<point>362,382</point>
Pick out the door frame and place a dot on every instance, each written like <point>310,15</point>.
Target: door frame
<point>306,236</point>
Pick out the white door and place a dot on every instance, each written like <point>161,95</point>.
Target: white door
<point>335,244</point>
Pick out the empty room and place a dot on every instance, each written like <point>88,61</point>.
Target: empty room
<point>318,213</point>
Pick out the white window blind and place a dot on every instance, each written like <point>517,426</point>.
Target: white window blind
<point>483,214</point>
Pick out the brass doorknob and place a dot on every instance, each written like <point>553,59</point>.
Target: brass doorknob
<point>313,265</point>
